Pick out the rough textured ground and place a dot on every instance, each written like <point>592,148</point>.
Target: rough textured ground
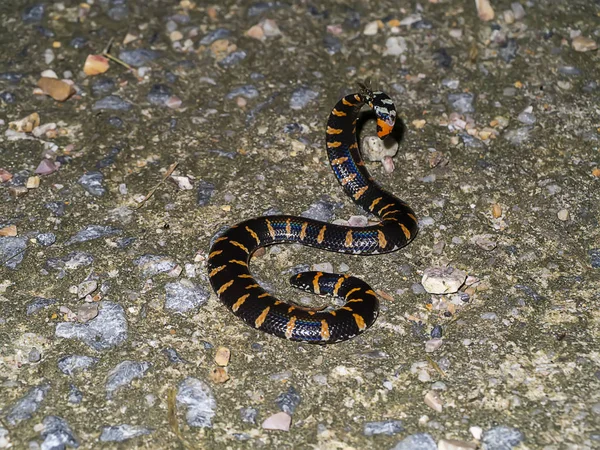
<point>108,328</point>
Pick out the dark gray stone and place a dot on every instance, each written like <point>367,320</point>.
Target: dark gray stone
<point>418,441</point>
<point>57,434</point>
<point>46,239</point>
<point>249,414</point>
<point>219,33</point>
<point>233,58</point>
<point>112,103</point>
<point>151,265</point>
<point>205,192</point>
<point>123,374</point>
<point>595,257</point>
<point>387,427</point>
<point>12,251</point>
<point>34,13</point>
<point>248,91</point>
<point>120,433</point>
<point>26,406</point>
<point>71,364</point>
<point>108,329</point>
<point>92,232</point>
<point>92,182</point>
<point>138,57</point>
<point>301,97</point>
<point>462,103</point>
<point>183,296</point>
<point>38,303</point>
<point>288,401</point>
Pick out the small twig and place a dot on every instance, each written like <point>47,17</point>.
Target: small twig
<point>106,54</point>
<point>170,170</point>
<point>172,416</point>
<point>435,366</point>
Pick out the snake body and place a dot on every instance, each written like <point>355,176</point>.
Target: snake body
<point>230,253</point>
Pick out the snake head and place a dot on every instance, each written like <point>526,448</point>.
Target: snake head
<point>385,111</point>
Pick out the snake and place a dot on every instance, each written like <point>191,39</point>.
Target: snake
<point>230,252</point>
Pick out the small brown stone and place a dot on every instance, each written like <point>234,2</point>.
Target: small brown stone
<point>10,230</point>
<point>95,64</point>
<point>5,175</point>
<point>583,44</point>
<point>26,124</point>
<point>496,210</point>
<point>219,375</point>
<point>222,356</point>
<point>57,89</point>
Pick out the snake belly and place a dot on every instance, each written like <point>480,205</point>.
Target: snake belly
<point>230,253</point>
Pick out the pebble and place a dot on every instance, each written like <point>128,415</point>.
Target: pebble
<point>375,149</point>
<point>86,287</point>
<point>563,215</point>
<point>12,250</point>
<point>71,364</point>
<point>489,316</point>
<point>57,434</point>
<point>417,288</point>
<point>288,401</point>
<point>323,267</point>
<point>450,83</point>
<point>59,90</point>
<point>462,103</point>
<point>118,12</point>
<point>72,261</point>
<point>301,97</point>
<point>92,183</point>
<point>57,208</point>
<point>443,280</point>
<point>75,395</point>
<point>501,438</point>
<point>123,374</point>
<point>159,94</point>
<point>107,330</point>
<point>476,432</point>
<point>26,406</point>
<point>433,400</point>
<point>484,241</point>
<point>173,356</point>
<point>233,58</point>
<point>151,265</point>
<point>371,28</point>
<point>95,65</point>
<point>34,355</point>
<point>10,230</point>
<point>112,103</point>
<point>321,210</point>
<point>197,396</point>
<point>569,70</point>
<point>120,433</point>
<point>87,312</point>
<point>39,303</point>
<point>594,257</point>
<point>184,295</point>
<point>280,421</point>
<point>332,44</point>
<point>34,13</point>
<point>395,46</point>
<point>583,44</point>
<point>249,414</point>
<point>508,50</point>
<point>518,10</point>
<point>386,427</point>
<point>92,232</point>
<point>419,441</point>
<point>436,332</point>
<point>138,57</point>
<point>454,444</point>
<point>248,91</point>
<point>46,167</point>
<point>433,344</point>
<point>205,192</point>
<point>215,35</point>
<point>103,85</point>
<point>8,97</point>
<point>526,117</point>
<point>442,58</point>
<point>222,356</point>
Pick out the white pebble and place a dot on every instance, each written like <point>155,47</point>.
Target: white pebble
<point>323,267</point>
<point>375,149</point>
<point>563,215</point>
<point>432,345</point>
<point>48,56</point>
<point>280,421</point>
<point>443,280</point>
<point>476,432</point>
<point>49,73</point>
<point>454,444</point>
<point>395,46</point>
<point>371,28</point>
<point>433,401</point>
<point>358,221</point>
